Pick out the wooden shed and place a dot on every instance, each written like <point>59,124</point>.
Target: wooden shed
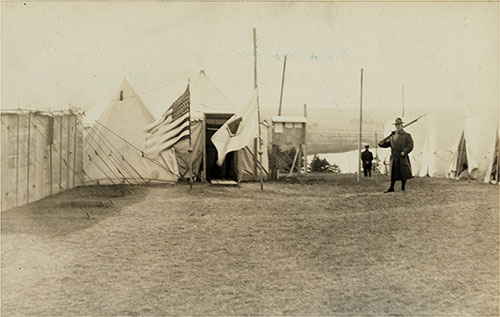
<point>41,154</point>
<point>288,144</point>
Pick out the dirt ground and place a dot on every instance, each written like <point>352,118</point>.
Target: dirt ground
<point>311,246</point>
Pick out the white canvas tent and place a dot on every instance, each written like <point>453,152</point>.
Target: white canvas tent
<point>434,136</point>
<point>114,144</point>
<point>475,145</point>
<point>441,131</point>
<point>492,174</point>
<point>206,99</point>
<point>446,140</point>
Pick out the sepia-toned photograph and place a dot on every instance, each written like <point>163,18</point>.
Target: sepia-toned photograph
<point>250,158</point>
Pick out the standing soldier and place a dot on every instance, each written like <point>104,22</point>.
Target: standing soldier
<point>367,158</point>
<point>401,144</point>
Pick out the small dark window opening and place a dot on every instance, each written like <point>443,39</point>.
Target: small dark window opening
<point>121,95</point>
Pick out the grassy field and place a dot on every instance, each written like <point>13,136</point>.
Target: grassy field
<point>322,245</point>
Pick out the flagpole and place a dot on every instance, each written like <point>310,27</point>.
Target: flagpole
<point>190,150</point>
<point>258,107</point>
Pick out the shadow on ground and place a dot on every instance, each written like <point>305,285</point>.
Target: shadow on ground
<point>71,210</point>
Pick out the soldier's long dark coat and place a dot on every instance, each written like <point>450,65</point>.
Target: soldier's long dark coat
<point>400,167</point>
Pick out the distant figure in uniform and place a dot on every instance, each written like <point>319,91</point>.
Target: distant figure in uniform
<point>367,158</point>
<point>401,144</point>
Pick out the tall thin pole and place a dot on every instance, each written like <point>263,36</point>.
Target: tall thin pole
<point>403,113</point>
<point>304,148</point>
<point>68,153</point>
<point>28,165</point>
<point>376,150</point>
<point>254,59</point>
<point>258,107</point>
<point>74,151</point>
<point>260,147</point>
<point>497,176</point>
<point>282,86</point>
<point>60,150</point>
<point>190,150</point>
<point>51,141</point>
<point>17,161</point>
<point>360,124</point>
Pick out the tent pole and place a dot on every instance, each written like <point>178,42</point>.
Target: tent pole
<point>360,124</point>
<point>28,165</point>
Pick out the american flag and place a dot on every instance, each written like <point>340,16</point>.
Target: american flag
<point>172,127</point>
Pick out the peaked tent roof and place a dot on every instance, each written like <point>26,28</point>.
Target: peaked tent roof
<point>205,97</point>
<point>114,143</point>
<point>127,116</point>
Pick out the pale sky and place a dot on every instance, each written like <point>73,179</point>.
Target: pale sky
<point>446,54</point>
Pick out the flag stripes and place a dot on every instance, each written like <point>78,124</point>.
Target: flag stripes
<point>172,127</point>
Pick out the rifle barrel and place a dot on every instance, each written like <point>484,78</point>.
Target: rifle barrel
<point>406,125</point>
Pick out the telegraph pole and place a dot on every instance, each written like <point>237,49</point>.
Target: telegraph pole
<point>360,124</point>
<point>258,107</point>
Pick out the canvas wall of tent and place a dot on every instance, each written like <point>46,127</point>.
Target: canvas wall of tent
<point>41,155</point>
<point>446,143</point>
<point>475,148</point>
<point>116,140</point>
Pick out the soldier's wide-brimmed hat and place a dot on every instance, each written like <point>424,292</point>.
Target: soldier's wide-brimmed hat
<point>367,145</point>
<point>398,121</point>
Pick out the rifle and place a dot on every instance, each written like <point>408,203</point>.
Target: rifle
<point>404,126</point>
